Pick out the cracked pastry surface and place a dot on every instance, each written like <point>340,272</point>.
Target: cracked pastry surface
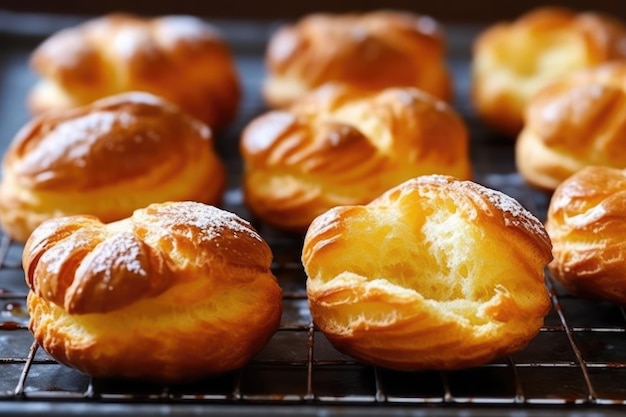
<point>436,273</point>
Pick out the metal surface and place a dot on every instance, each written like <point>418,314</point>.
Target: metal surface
<point>575,366</point>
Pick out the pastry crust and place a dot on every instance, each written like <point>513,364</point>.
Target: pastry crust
<point>577,121</point>
<point>181,58</point>
<point>374,50</point>
<point>176,292</point>
<point>343,146</point>
<point>512,61</point>
<point>106,159</point>
<point>436,273</point>
<point>587,224</point>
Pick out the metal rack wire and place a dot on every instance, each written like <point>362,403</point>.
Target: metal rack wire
<point>577,362</point>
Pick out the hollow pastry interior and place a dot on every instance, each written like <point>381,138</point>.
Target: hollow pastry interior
<point>435,274</point>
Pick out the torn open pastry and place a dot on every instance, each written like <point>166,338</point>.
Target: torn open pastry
<point>436,273</point>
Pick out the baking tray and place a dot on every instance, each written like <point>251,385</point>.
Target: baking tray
<point>575,366</point>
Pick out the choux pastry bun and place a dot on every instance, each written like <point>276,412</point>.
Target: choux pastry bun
<point>587,223</point>
<point>436,273</point>
<point>373,50</point>
<point>512,61</point>
<point>577,121</point>
<point>176,292</point>
<point>341,146</point>
<point>181,58</point>
<point>106,159</point>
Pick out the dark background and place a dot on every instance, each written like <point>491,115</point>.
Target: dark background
<point>479,11</point>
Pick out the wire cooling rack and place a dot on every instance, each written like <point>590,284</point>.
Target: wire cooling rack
<point>576,365</point>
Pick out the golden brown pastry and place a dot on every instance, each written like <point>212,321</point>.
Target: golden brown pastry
<point>514,60</point>
<point>436,273</point>
<point>106,159</point>
<point>343,146</point>
<point>177,291</point>
<point>180,58</point>
<point>587,224</point>
<point>372,50</point>
<point>577,121</point>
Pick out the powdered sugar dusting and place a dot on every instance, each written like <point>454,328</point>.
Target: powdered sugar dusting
<point>135,97</point>
<point>55,258</point>
<point>209,221</point>
<point>121,250</point>
<point>518,215</point>
<point>514,213</point>
<point>436,179</point>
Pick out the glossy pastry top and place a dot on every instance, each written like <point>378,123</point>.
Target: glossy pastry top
<point>107,159</point>
<point>115,139</point>
<point>85,266</point>
<point>577,121</point>
<point>372,50</point>
<point>180,58</point>
<point>512,61</point>
<point>339,145</point>
<point>587,222</point>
